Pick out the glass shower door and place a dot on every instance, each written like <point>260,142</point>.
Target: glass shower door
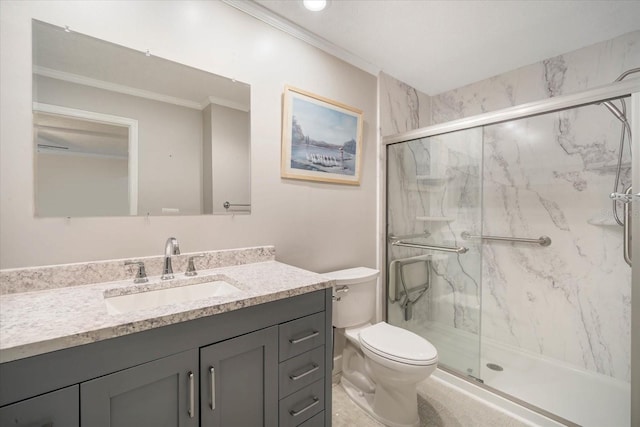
<point>434,194</point>
<point>556,318</point>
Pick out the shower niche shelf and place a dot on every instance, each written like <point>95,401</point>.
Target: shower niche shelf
<point>428,183</point>
<point>433,181</point>
<point>435,218</point>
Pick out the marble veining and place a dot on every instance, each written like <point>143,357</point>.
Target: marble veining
<point>403,108</point>
<point>42,321</point>
<point>56,276</point>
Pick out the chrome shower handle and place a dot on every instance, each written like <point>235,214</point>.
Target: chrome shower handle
<point>626,247</point>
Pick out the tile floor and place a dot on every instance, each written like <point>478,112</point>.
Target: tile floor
<point>438,406</point>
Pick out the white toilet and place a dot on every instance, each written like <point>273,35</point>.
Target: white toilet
<point>381,363</point>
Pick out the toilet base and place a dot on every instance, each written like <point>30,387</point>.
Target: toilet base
<point>365,401</point>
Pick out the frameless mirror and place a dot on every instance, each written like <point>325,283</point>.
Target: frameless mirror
<point>122,132</point>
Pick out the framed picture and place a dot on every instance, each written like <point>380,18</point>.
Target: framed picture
<point>321,139</point>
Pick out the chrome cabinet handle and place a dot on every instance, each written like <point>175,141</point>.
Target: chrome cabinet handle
<point>306,408</point>
<point>212,372</point>
<point>308,337</point>
<point>314,368</point>
<point>192,410</point>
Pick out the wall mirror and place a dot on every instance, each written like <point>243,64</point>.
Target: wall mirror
<point>121,132</point>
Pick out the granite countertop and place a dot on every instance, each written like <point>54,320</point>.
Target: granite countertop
<point>42,321</point>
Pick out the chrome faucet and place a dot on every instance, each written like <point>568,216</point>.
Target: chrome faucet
<point>172,247</point>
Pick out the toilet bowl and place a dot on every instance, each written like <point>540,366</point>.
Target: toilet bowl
<point>381,364</point>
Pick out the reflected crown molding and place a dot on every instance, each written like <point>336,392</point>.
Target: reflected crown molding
<point>268,17</point>
<point>140,93</point>
<point>225,103</point>
<point>114,87</point>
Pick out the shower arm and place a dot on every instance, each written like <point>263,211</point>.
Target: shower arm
<point>626,73</point>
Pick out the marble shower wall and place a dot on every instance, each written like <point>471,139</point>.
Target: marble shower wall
<point>402,107</point>
<point>545,175</point>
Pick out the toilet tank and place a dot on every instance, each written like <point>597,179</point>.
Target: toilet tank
<point>357,305</point>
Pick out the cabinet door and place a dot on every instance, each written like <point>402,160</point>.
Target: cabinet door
<point>239,381</point>
<point>161,393</point>
<point>56,409</point>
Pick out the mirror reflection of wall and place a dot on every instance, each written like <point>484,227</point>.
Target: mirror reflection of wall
<point>193,145</point>
<point>82,167</point>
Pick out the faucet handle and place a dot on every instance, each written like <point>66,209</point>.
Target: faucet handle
<point>141,275</point>
<point>191,268</point>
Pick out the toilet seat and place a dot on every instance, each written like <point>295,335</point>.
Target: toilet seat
<point>398,345</point>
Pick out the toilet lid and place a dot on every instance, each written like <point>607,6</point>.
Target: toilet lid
<point>398,344</point>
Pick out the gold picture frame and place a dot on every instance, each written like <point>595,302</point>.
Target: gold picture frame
<point>321,139</point>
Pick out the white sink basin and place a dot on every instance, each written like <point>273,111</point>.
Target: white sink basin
<point>155,298</point>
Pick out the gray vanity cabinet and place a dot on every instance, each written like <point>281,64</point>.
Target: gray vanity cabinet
<point>162,393</point>
<point>239,381</point>
<point>55,409</point>
<point>268,365</point>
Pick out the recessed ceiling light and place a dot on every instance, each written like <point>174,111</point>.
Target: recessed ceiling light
<point>314,5</point>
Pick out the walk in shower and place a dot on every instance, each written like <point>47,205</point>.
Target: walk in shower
<point>504,252</point>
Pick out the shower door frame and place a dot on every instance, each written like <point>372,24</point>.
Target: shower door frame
<point>590,96</point>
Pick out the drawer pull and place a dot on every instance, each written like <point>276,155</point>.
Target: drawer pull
<point>314,368</point>
<point>307,337</point>
<point>192,411</point>
<point>306,408</point>
<point>212,372</point>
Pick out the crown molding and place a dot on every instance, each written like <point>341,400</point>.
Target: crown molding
<point>268,17</point>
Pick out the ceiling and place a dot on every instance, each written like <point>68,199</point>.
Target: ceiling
<point>65,135</point>
<point>437,46</point>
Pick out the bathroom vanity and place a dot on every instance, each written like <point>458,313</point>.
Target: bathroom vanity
<point>260,356</point>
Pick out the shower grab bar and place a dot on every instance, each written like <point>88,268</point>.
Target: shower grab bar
<point>542,240</point>
<point>456,249</point>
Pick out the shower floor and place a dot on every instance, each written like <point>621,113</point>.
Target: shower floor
<point>583,397</point>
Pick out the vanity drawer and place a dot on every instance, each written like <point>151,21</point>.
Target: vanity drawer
<point>301,335</point>
<point>302,405</point>
<point>315,421</point>
<point>58,408</point>
<point>300,371</point>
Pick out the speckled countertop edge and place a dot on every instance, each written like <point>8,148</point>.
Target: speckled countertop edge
<point>38,322</point>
